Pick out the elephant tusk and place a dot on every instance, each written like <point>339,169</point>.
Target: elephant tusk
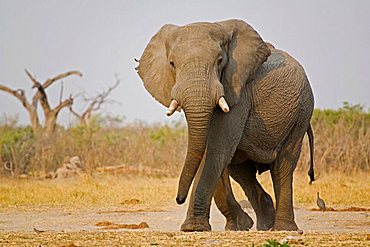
<point>223,104</point>
<point>172,108</point>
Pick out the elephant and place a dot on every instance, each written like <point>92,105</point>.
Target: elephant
<point>247,105</point>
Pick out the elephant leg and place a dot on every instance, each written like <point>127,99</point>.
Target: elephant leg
<point>236,218</point>
<point>192,223</point>
<point>221,146</point>
<point>245,175</point>
<point>282,177</point>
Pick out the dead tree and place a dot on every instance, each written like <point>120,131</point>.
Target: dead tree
<point>40,96</point>
<point>94,105</point>
<point>30,107</point>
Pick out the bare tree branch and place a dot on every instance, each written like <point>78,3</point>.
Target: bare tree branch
<point>50,81</point>
<point>32,109</point>
<point>45,103</point>
<point>64,103</point>
<point>94,105</point>
<point>83,118</point>
<point>61,91</point>
<point>43,98</point>
<point>19,94</point>
<point>38,94</point>
<point>33,79</point>
<point>74,112</point>
<point>101,98</point>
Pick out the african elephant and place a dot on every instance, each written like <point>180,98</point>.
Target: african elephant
<point>247,106</point>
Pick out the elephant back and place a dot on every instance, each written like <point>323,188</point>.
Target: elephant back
<point>279,94</point>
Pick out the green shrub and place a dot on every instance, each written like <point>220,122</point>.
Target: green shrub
<point>16,148</point>
<point>274,243</point>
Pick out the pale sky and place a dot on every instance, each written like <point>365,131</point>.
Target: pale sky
<point>331,39</point>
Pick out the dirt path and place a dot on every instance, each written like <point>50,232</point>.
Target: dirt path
<point>77,227</point>
<point>72,220</point>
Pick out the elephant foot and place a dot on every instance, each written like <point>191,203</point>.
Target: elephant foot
<point>196,224</point>
<point>285,225</point>
<point>265,225</point>
<point>265,213</point>
<point>265,219</point>
<point>241,223</point>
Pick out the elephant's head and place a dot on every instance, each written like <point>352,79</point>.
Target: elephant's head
<point>200,67</point>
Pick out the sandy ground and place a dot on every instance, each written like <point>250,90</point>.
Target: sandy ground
<point>18,225</point>
<point>67,220</point>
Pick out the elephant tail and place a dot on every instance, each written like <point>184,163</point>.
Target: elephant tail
<point>311,172</point>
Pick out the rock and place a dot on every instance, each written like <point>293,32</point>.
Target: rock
<point>71,167</point>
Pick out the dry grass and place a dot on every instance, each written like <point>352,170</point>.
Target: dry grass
<point>153,193</point>
<point>342,162</point>
<point>138,193</point>
<point>338,190</point>
<point>159,147</point>
<point>87,191</point>
<point>138,144</point>
<point>342,143</point>
<point>150,238</point>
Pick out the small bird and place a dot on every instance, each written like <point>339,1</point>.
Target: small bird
<point>320,202</point>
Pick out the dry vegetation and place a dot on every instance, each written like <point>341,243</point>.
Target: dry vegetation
<point>342,154</point>
<point>342,150</point>
<point>86,191</point>
<point>149,238</point>
<point>338,190</point>
<point>342,144</point>
<point>141,192</point>
<point>137,144</point>
<point>342,141</point>
<point>135,194</point>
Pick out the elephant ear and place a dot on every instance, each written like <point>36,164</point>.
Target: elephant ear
<point>246,52</point>
<point>154,68</point>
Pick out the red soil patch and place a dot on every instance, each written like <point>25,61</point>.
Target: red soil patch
<point>131,202</point>
<point>107,225</point>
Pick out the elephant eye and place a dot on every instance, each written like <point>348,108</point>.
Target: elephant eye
<point>219,61</point>
<point>172,64</point>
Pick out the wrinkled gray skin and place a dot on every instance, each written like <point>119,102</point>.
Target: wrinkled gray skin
<point>271,103</point>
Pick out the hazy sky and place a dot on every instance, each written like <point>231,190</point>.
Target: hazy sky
<point>331,39</point>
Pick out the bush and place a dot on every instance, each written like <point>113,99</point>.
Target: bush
<point>342,140</point>
<point>274,243</point>
<point>16,148</point>
<point>342,143</point>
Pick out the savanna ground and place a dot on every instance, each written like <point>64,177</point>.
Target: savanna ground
<point>100,209</point>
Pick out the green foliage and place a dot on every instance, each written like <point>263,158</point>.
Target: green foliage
<point>16,147</point>
<point>351,115</point>
<point>352,108</point>
<point>106,121</point>
<point>274,243</point>
<point>163,133</point>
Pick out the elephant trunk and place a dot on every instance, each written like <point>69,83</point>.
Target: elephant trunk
<point>198,93</point>
<point>194,94</point>
<point>198,119</point>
